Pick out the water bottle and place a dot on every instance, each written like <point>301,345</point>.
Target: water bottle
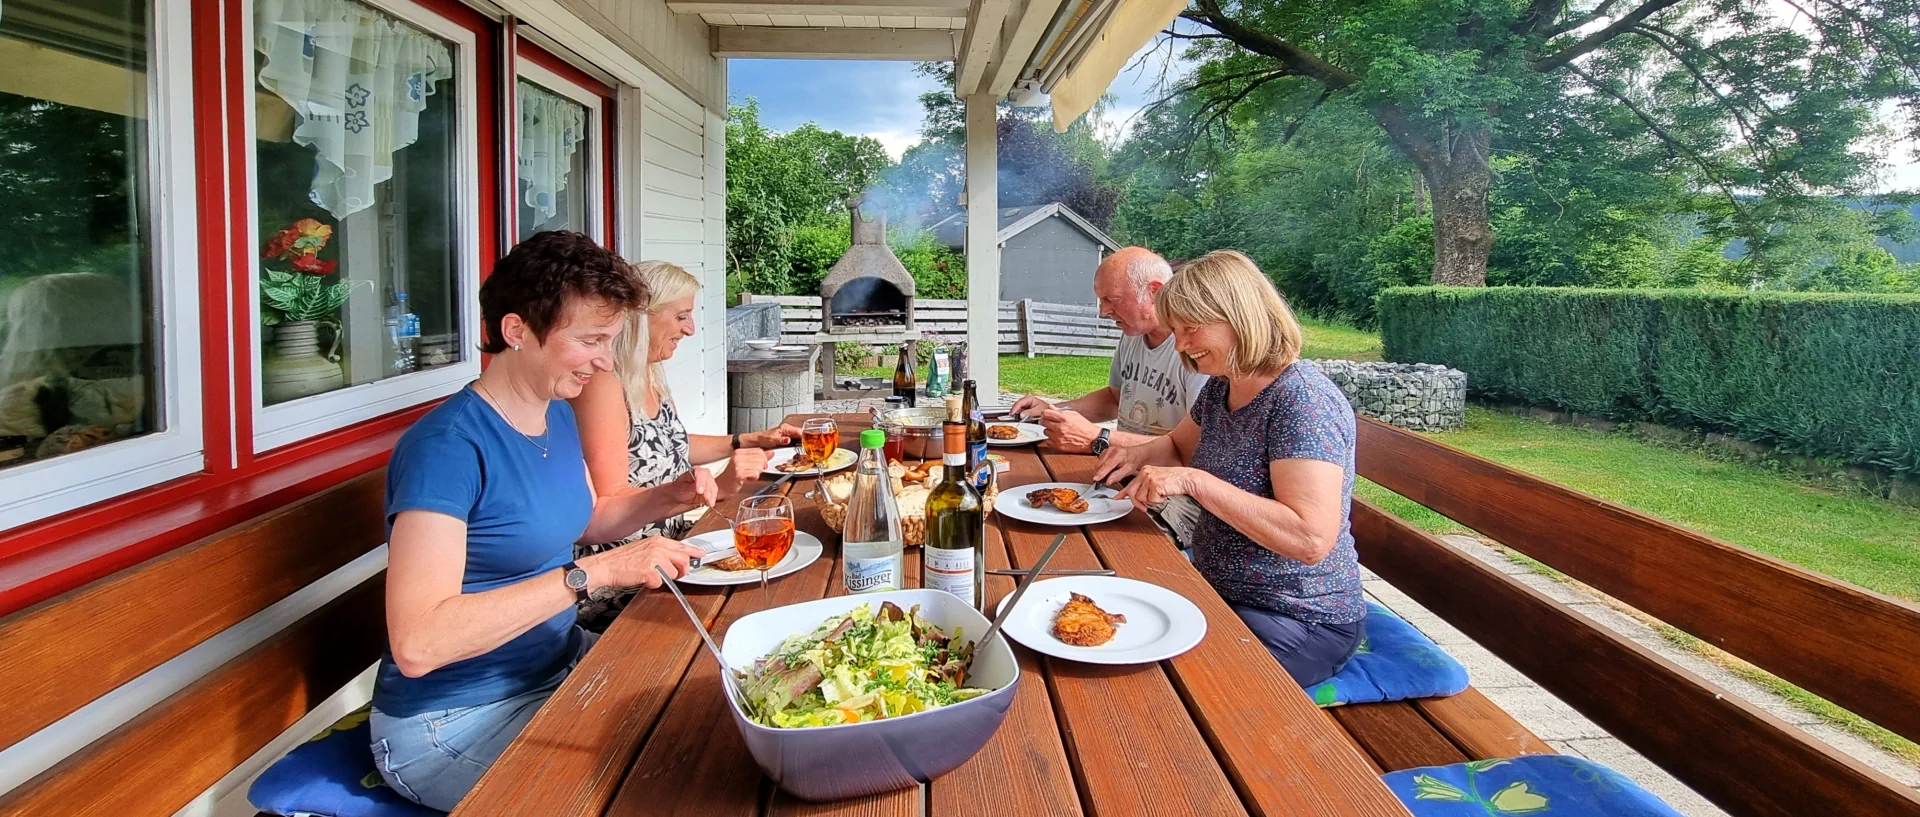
<point>403,332</point>
<point>870,539</point>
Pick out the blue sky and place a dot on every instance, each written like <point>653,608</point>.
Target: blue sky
<point>882,99</point>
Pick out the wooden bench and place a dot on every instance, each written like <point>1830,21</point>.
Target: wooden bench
<point>1858,649</point>
<point>66,652</point>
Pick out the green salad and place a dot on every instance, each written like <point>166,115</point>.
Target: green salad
<point>860,666</point>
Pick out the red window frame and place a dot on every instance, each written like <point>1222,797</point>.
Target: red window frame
<point>609,113</point>
<point>42,559</point>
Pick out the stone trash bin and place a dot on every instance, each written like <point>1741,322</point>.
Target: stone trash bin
<point>1413,396</point>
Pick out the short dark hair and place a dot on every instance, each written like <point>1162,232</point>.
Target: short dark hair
<point>537,277</point>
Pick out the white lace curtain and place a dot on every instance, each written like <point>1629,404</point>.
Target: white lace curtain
<point>358,81</point>
<point>551,129</point>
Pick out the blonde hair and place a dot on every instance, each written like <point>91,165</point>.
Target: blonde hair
<point>665,283</point>
<point>1224,286</point>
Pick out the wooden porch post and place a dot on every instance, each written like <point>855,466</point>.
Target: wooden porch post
<point>983,247</point>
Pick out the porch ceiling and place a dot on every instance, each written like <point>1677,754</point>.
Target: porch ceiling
<point>995,43</point>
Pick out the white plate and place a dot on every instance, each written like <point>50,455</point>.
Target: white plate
<point>1160,623</point>
<point>719,544</point>
<point>1013,503</point>
<point>841,458</point>
<point>1030,433</point>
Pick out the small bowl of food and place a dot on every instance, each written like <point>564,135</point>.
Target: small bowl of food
<point>855,695</point>
<point>762,344</point>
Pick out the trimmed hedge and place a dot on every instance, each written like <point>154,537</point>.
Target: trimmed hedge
<point>1828,375</point>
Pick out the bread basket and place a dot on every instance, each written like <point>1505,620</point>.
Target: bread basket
<point>912,497</point>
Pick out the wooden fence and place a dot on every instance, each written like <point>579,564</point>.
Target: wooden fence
<point>1027,326</point>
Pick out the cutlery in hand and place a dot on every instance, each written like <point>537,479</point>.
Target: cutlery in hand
<point>771,486</point>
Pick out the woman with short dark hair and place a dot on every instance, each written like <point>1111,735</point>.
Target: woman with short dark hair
<point>486,496</point>
<point>1268,454</point>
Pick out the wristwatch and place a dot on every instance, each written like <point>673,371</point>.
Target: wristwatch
<point>1101,443</point>
<point>576,578</point>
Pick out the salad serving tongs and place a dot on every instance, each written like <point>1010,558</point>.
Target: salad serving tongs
<point>733,684</point>
<point>1026,581</point>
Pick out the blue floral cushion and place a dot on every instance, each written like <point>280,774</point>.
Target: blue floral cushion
<point>1395,662</point>
<point>332,775</point>
<point>1547,785</point>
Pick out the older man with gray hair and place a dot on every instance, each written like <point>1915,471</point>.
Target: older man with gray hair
<point>1148,390</point>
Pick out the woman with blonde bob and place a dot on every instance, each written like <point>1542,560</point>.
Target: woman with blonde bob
<point>632,434</point>
<point>1267,452</point>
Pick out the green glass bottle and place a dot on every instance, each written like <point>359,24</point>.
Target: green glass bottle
<point>955,556</point>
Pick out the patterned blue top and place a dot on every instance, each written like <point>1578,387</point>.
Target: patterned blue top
<point>1300,415</point>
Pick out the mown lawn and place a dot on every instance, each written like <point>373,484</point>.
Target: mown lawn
<point>1866,541</point>
<point>1072,376</point>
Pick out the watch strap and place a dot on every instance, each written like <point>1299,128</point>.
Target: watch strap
<point>736,442</point>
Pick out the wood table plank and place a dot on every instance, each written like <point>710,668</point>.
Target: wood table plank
<point>1133,749</point>
<point>1480,727</point>
<point>1395,735</point>
<point>1284,756</point>
<point>1023,769</point>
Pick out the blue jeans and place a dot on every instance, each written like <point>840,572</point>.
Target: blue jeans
<point>435,757</point>
<point>1309,652</point>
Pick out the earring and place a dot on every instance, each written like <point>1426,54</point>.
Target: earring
<point>516,347</point>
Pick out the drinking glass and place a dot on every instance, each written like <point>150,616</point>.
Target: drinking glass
<point>896,447</point>
<point>763,532</point>
<point>819,437</point>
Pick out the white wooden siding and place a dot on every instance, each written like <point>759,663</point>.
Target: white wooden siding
<point>683,221</point>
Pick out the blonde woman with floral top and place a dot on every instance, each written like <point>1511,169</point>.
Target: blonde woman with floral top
<point>632,433</point>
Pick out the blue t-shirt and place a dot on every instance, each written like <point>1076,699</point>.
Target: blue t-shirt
<point>524,510</point>
<point>1300,415</point>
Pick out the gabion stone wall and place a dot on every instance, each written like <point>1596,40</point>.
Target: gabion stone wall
<point>1413,396</point>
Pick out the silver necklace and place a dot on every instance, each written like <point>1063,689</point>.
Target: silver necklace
<point>503,415</point>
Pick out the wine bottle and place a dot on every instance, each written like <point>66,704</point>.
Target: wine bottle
<point>977,463</point>
<point>872,541</point>
<point>903,385</point>
<point>955,558</point>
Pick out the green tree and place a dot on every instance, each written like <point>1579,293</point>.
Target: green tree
<point>1728,96</point>
<point>778,183</point>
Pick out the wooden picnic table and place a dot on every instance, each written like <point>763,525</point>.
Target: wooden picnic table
<point>641,726</point>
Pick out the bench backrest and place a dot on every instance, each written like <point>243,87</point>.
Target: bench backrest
<point>1851,646</point>
<point>69,651</point>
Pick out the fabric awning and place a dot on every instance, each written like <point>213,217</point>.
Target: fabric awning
<point>1133,23</point>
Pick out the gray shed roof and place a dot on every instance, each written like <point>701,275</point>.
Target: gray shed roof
<point>952,230</point>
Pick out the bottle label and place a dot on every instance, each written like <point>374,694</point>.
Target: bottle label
<point>954,459</point>
<point>874,575</point>
<point>982,467</point>
<point>949,570</point>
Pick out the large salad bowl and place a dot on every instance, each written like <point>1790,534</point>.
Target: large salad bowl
<point>849,760</point>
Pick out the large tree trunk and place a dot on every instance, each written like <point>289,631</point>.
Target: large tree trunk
<point>1462,236</point>
<point>1458,172</point>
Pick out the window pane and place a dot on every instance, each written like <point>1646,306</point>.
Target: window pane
<point>552,162</point>
<point>76,339</point>
<point>356,140</point>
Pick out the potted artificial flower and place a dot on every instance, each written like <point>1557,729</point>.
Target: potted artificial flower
<point>296,299</point>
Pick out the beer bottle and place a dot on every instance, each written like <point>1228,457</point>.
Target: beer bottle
<point>903,385</point>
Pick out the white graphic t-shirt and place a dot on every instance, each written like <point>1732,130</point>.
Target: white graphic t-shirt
<point>1155,390</point>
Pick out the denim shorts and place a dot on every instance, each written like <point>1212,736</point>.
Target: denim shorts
<point>435,757</point>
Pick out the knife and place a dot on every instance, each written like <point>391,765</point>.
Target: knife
<point>1007,609</point>
<point>772,485</point>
